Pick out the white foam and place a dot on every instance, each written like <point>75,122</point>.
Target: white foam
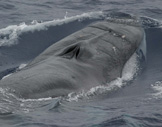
<point>148,21</point>
<point>157,87</point>
<point>6,94</point>
<point>36,100</point>
<point>22,66</point>
<point>129,71</point>
<point>7,76</point>
<point>9,35</point>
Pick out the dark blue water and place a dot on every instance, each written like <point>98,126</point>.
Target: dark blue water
<point>29,27</point>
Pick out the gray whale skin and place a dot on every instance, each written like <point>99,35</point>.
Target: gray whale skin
<point>90,57</point>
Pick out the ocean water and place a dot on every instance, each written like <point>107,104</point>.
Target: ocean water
<point>134,100</point>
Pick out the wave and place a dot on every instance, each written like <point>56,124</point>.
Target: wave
<point>9,103</point>
<point>133,121</point>
<point>10,35</point>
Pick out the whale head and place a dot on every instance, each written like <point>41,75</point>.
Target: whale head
<point>90,57</point>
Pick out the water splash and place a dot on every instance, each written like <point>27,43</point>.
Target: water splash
<point>9,36</point>
<point>66,15</point>
<point>157,87</point>
<point>22,66</point>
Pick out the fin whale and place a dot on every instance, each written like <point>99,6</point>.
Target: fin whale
<point>87,58</point>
